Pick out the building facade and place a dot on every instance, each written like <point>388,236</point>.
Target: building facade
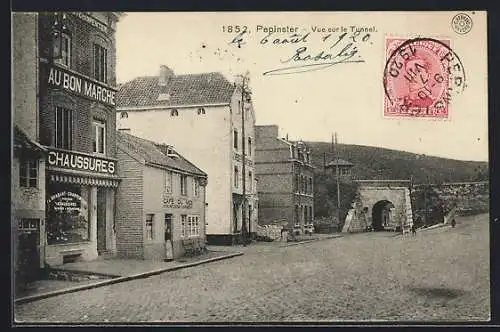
<point>203,116</point>
<point>343,167</point>
<point>161,197</point>
<point>286,176</point>
<point>28,157</point>
<point>77,87</point>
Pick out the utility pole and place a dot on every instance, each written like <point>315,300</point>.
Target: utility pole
<point>337,177</point>
<point>244,174</point>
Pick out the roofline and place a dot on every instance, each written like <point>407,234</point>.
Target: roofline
<point>158,107</point>
<point>120,145</point>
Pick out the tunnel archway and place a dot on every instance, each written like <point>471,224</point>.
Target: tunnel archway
<point>381,214</point>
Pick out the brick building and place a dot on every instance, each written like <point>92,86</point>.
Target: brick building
<point>286,176</point>
<point>161,197</point>
<point>77,86</point>
<point>201,115</point>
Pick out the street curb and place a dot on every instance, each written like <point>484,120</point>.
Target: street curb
<point>309,241</point>
<point>32,298</point>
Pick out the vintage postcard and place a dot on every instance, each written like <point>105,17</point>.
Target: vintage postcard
<point>250,167</point>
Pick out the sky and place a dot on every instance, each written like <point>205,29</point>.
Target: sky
<point>347,98</point>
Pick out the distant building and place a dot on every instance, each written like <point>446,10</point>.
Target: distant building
<point>161,197</point>
<point>285,179</point>
<point>344,169</point>
<point>201,115</point>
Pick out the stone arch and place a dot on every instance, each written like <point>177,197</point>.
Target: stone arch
<point>382,214</point>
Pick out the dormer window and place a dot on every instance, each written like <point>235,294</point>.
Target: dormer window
<point>163,97</point>
<point>174,112</point>
<point>201,110</point>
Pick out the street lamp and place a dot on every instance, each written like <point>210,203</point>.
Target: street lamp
<point>58,27</point>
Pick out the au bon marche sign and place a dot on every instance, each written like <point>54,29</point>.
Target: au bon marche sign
<point>80,85</point>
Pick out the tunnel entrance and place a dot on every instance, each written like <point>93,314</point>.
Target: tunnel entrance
<point>381,215</point>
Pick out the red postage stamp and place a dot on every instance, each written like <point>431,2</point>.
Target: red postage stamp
<point>417,81</point>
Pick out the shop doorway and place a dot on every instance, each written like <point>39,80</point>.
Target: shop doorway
<point>28,266</point>
<point>101,220</point>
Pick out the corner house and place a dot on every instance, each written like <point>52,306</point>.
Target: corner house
<point>161,199</point>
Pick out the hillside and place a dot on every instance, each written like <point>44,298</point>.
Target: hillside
<point>380,163</point>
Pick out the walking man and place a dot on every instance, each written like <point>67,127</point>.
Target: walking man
<point>413,229</point>
<point>453,223</point>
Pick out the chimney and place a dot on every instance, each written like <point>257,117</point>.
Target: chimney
<point>165,75</point>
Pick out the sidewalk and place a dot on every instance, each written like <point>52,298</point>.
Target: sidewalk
<point>103,272</point>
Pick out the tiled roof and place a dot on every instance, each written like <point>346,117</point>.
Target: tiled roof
<point>192,89</point>
<point>339,162</point>
<point>22,141</point>
<point>156,153</point>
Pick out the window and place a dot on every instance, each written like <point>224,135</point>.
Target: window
<point>183,225</point>
<point>235,139</point>
<point>183,185</point>
<point>344,171</point>
<point>250,181</point>
<point>99,137</point>
<point>196,187</point>
<point>201,110</point>
<point>64,128</point>
<point>249,146</point>
<point>100,63</point>
<point>297,183</point>
<point>236,176</point>
<point>168,182</point>
<point>28,173</point>
<point>28,224</point>
<point>62,49</point>
<point>311,214</point>
<point>174,112</point>
<point>310,185</point>
<point>124,115</point>
<point>193,226</point>
<point>149,226</point>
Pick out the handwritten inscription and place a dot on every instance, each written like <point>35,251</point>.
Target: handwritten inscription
<point>337,45</point>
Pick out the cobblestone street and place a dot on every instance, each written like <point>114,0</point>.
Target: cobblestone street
<point>437,275</point>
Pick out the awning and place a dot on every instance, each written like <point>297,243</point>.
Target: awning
<point>86,181</point>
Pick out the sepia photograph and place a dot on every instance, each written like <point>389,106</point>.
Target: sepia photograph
<point>250,167</point>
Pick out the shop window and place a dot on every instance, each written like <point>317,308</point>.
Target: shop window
<point>62,49</point>
<point>67,213</point>
<point>183,185</point>
<point>168,182</point>
<point>183,225</point>
<point>236,176</point>
<point>99,137</point>
<point>250,181</point>
<point>235,139</point>
<point>64,128</point>
<point>28,173</point>
<point>193,226</point>
<point>149,226</point>
<point>100,63</point>
<point>196,187</point>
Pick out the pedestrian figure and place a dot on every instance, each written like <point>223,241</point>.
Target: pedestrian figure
<point>453,223</point>
<point>413,229</point>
